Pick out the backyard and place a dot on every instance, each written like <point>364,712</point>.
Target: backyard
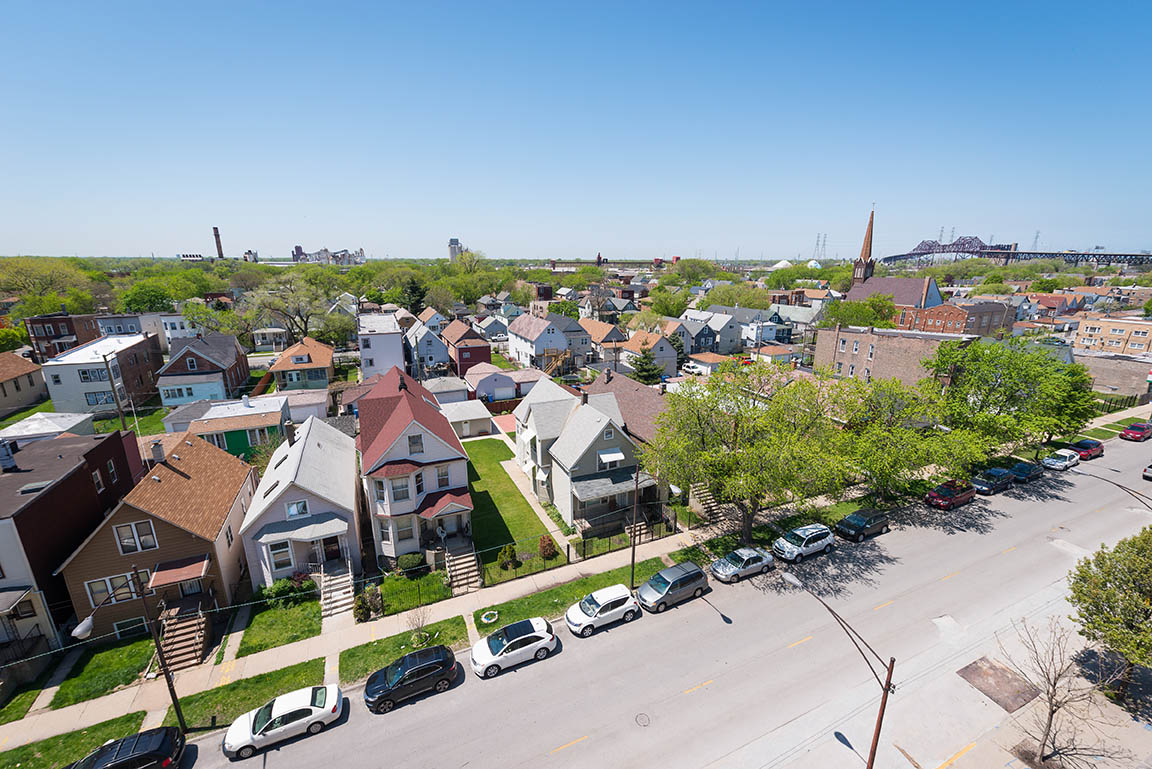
<point>272,626</point>
<point>102,669</point>
<point>501,361</point>
<point>17,416</point>
<point>513,520</point>
<point>148,419</point>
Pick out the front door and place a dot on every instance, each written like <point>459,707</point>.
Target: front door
<point>331,548</point>
<point>191,587</point>
<point>465,428</point>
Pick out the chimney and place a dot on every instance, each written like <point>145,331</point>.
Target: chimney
<point>244,400</point>
<point>608,375</point>
<point>7,461</point>
<point>290,432</point>
<point>63,308</point>
<point>584,397</point>
<point>403,384</point>
<point>157,452</point>
<point>219,248</point>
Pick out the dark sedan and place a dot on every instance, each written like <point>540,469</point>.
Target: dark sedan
<point>1088,448</point>
<point>426,670</point>
<point>950,494</point>
<point>993,480</point>
<point>863,523</point>
<point>1026,472</point>
<point>159,748</point>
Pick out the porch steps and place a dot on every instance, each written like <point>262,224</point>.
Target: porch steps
<point>336,593</point>
<point>637,532</point>
<point>711,510</point>
<point>184,637</point>
<point>463,571</point>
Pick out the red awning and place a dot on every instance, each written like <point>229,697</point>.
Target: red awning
<point>179,570</point>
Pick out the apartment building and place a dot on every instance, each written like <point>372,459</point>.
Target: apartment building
<point>983,318</point>
<point>53,333</point>
<point>1127,335</point>
<point>880,353</point>
<point>81,380</point>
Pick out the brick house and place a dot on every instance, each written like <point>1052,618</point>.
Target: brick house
<point>55,332</point>
<point>983,318</point>
<point>466,346</point>
<point>1128,336</point>
<point>209,367</point>
<point>880,353</point>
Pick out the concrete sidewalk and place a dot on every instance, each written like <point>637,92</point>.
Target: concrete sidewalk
<point>152,696</point>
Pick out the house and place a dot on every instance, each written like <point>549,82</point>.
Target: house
<point>525,379</point>
<point>487,303</point>
<point>426,351</point>
<point>579,342</point>
<point>601,333</point>
<point>1051,305</point>
<point>45,425</point>
<point>709,362</point>
<point>607,309</point>
<point>381,344</point>
<point>468,418</point>
<point>21,383</point>
<point>491,383</point>
<point>306,511</point>
<point>82,378</point>
<point>211,367</point>
<point>53,494</point>
<point>53,333</point>
<point>575,450</point>
<point>493,328</point>
<point>466,346</point>
<point>694,335</point>
<point>270,339</point>
<point>509,311</point>
<point>413,468</point>
<point>772,353</point>
<point>983,318</point>
<point>134,323</point>
<point>1116,373</point>
<point>179,530</point>
<point>175,326</point>
<point>640,403</point>
<point>301,403</point>
<point>794,320</point>
<point>536,341</point>
<point>1126,336</point>
<point>239,426</point>
<point>756,326</point>
<point>728,331</point>
<point>628,351</point>
<point>306,365</point>
<point>447,389</point>
<point>432,318</point>
<point>344,304</point>
<point>880,353</point>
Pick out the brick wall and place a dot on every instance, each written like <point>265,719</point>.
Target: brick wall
<point>868,354</point>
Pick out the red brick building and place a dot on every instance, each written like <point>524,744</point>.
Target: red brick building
<point>56,332</point>
<point>983,318</point>
<point>466,346</point>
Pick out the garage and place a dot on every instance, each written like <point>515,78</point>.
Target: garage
<point>505,393</point>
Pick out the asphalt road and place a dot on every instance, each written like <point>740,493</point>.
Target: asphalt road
<point>758,674</point>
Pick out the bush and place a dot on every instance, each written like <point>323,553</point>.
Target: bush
<point>375,600</point>
<point>508,559</point>
<point>412,565</point>
<point>547,548</point>
<point>360,610</point>
<point>558,519</point>
<point>287,592</point>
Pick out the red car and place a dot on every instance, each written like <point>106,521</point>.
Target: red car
<point>1088,448</point>
<point>1141,431</point>
<point>950,494</point>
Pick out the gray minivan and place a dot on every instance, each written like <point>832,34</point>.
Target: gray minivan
<point>671,586</point>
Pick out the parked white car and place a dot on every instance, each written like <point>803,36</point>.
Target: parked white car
<point>512,645</point>
<point>803,541</point>
<point>692,367</point>
<point>1061,459</point>
<point>605,606</point>
<point>289,715</point>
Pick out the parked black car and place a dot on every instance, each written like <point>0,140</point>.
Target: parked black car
<point>863,523</point>
<point>159,748</point>
<point>1025,472</point>
<point>432,669</point>
<point>993,480</point>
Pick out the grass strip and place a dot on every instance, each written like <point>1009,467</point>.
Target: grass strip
<point>270,626</point>
<point>63,749</point>
<point>103,669</point>
<point>359,662</point>
<point>221,706</point>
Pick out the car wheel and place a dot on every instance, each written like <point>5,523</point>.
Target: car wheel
<point>735,578</point>
<point>542,652</point>
<point>699,592</point>
<point>859,537</point>
<point>246,752</point>
<point>442,685</point>
<point>885,530</point>
<point>587,631</point>
<point>315,728</point>
<point>827,549</point>
<point>629,615</point>
<point>491,671</point>
<point>384,706</point>
<point>660,607</point>
<point>799,557</point>
<point>766,568</point>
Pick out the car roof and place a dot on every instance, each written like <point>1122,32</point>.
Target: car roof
<point>1140,425</point>
<point>522,628</point>
<point>147,741</point>
<point>812,528</point>
<point>285,703</point>
<point>1064,452</point>
<point>996,471</point>
<point>424,656</point>
<point>748,552</point>
<point>1087,442</point>
<point>610,593</point>
<point>679,570</point>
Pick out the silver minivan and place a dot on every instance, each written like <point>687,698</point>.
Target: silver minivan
<point>671,586</point>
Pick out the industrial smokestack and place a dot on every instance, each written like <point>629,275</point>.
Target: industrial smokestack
<point>219,248</point>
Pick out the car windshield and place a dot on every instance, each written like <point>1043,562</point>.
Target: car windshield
<point>735,560</point>
<point>658,583</point>
<point>497,641</point>
<point>589,606</point>
<point>794,539</point>
<point>988,476</point>
<point>946,491</point>
<point>392,673</point>
<point>262,717</point>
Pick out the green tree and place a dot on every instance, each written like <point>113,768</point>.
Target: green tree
<point>669,304</point>
<point>74,300</point>
<point>678,344</point>
<point>440,297</point>
<point>877,311</point>
<point>147,296</point>
<point>566,308</point>
<point>412,293</point>
<point>239,322</point>
<point>470,261</point>
<point>1148,309</point>
<point>742,294</point>
<point>291,301</point>
<point>336,329</point>
<point>261,455</point>
<point>11,338</point>
<point>645,369</point>
<point>1111,592</point>
<point>995,289</point>
<point>36,276</point>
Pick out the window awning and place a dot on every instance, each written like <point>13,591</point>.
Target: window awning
<point>304,529</point>
<point>10,596</point>
<point>611,455</point>
<point>179,570</point>
<point>541,474</point>
<point>608,483</point>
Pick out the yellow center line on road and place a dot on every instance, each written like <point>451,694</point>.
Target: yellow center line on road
<point>570,744</point>
<point>802,640</point>
<point>949,576</point>
<point>954,758</point>
<point>881,606</point>
<point>1009,550</point>
<point>700,686</point>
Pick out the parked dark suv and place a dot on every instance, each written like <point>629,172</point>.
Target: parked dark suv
<point>426,670</point>
<point>862,523</point>
<point>672,585</point>
<point>159,748</point>
<point>993,480</point>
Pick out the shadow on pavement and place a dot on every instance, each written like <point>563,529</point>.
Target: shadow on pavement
<point>849,566</point>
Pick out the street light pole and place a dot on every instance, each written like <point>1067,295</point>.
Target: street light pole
<point>635,504</point>
<point>857,640</point>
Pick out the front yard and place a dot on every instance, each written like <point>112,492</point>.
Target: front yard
<point>270,627</point>
<point>63,749</point>
<point>220,706</point>
<point>102,669</point>
<point>359,662</point>
<point>400,593</point>
<point>512,520</point>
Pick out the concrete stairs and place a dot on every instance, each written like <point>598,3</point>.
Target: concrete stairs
<point>711,510</point>
<point>184,639</point>
<point>463,569</point>
<point>336,592</point>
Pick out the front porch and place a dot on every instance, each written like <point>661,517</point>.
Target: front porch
<point>185,592</point>
<point>604,503</point>
<point>311,543</point>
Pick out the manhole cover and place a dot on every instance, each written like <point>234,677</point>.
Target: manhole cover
<point>642,719</point>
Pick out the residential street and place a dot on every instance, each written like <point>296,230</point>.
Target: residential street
<point>759,675</point>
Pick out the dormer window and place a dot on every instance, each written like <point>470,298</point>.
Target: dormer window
<point>416,444</point>
<point>191,363</point>
<point>298,508</point>
<point>299,358</point>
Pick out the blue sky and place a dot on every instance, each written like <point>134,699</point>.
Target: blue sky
<point>563,130</point>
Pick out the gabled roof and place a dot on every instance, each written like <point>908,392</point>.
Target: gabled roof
<point>445,384</point>
<point>583,426</point>
<point>599,330</point>
<point>319,355</point>
<point>741,314</point>
<point>13,365</point>
<point>640,402</point>
<point>429,314</point>
<point>481,370</point>
<point>389,408</point>
<point>637,342</point>
<point>795,313</point>
<point>528,326</point>
<point>220,350</point>
<point>547,407</point>
<point>458,330</point>
<point>905,292</point>
<point>419,332</point>
<point>321,460</point>
<point>564,323</point>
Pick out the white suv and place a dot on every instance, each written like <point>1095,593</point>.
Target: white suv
<point>802,541</point>
<point>511,645</point>
<point>601,608</point>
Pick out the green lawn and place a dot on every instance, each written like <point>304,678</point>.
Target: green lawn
<point>401,593</point>
<point>271,627</point>
<point>21,700</point>
<point>221,706</point>
<point>347,374</point>
<point>149,419</point>
<point>513,520</point>
<point>501,361</point>
<point>555,601</point>
<point>101,669</point>
<point>1098,433</point>
<point>359,662</point>
<point>16,417</point>
<point>594,546</point>
<point>63,749</point>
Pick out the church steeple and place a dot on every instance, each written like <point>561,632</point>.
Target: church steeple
<point>862,269</point>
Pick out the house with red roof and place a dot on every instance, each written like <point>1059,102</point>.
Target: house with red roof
<point>414,472</point>
<point>466,346</point>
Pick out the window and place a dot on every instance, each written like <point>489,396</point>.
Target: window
<point>85,376</point>
<point>119,328</point>
<point>128,628</point>
<point>1116,331</point>
<point>96,479</point>
<point>103,398</point>
<point>1114,343</point>
<point>855,347</point>
<point>404,529</point>
<point>366,343</point>
<point>191,363</point>
<point>839,366</point>
<point>134,537</point>
<point>867,373</point>
<point>17,383</point>
<point>442,477</point>
<point>368,362</point>
<point>420,482</point>
<point>608,434</point>
<point>843,345</point>
<point>385,532</point>
<point>1134,333</point>
<point>3,390</point>
<point>852,370</point>
<point>217,440</point>
<point>399,489</point>
<point>1137,345</point>
<point>871,351</point>
<point>120,587</point>
<point>112,474</point>
<point>256,436</point>
<point>280,554</point>
<point>379,489</point>
<point>297,508</point>
<point>24,610</point>
<point>415,444</point>
<point>38,330</point>
<point>55,379</point>
<point>228,535</point>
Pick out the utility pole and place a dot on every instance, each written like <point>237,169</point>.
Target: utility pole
<point>115,394</point>
<point>880,715</point>
<point>635,505</point>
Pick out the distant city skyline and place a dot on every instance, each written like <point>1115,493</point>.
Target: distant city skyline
<point>530,130</point>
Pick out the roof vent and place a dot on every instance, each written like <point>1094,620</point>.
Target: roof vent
<point>156,478</point>
<point>175,456</point>
<point>7,461</point>
<point>34,487</point>
<point>244,400</point>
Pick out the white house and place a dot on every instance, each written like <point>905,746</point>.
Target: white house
<point>78,378</point>
<point>529,336</point>
<point>628,351</point>
<point>427,352</point>
<point>175,326</point>
<point>381,344</point>
<point>47,424</point>
<point>135,323</point>
<point>270,339</point>
<point>305,511</point>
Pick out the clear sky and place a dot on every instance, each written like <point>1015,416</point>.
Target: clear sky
<point>549,129</point>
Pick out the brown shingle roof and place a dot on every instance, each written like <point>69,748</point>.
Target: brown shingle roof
<point>319,356</point>
<point>709,357</point>
<point>637,342</point>
<point>427,314</point>
<point>598,330</point>
<point>13,365</point>
<point>241,422</point>
<point>198,484</point>
<point>457,330</point>
<point>639,404</point>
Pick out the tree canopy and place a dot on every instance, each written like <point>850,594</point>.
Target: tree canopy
<point>147,296</point>
<point>645,369</point>
<point>877,311</point>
